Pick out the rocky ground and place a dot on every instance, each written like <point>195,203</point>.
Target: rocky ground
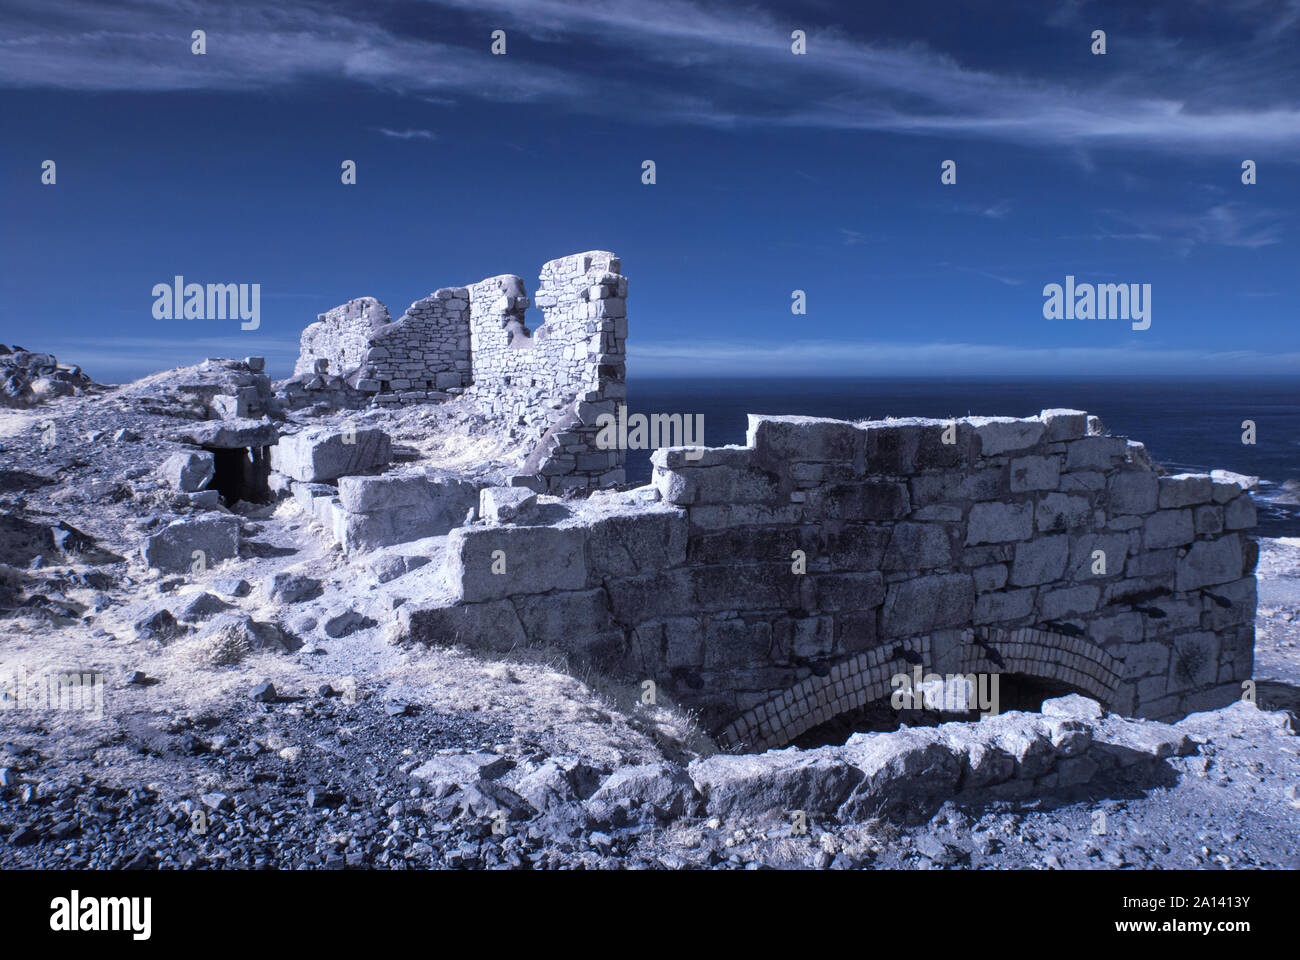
<point>260,714</point>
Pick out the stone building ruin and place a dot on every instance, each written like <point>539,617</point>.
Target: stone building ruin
<point>555,380</point>
<point>1039,547</point>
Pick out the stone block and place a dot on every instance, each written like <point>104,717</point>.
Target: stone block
<point>181,544</point>
<point>903,447</point>
<point>1084,563</point>
<point>486,563</point>
<point>923,604</point>
<point>1225,485</point>
<point>398,508</point>
<point>785,439</point>
<point>990,577</point>
<point>1068,602</point>
<point>995,522</point>
<point>1004,606</point>
<point>1239,514</point>
<point>1184,489</point>
<point>1035,473</point>
<point>1208,562</point>
<point>563,619</point>
<point>506,504</point>
<point>628,544</point>
<point>1168,528</point>
<point>1057,512</point>
<point>1193,661</point>
<point>900,770</point>
<point>1040,561</point>
<point>188,472</point>
<point>848,591</point>
<point>663,787</point>
<point>753,786</point>
<point>1133,492</point>
<point>1064,424</point>
<point>1072,705</point>
<point>327,454</point>
<point>1095,453</point>
<point>1208,519</point>
<point>918,546</point>
<point>483,626</point>
<point>998,435</point>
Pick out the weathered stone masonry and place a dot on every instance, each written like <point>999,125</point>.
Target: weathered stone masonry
<point>1038,546</point>
<point>555,381</point>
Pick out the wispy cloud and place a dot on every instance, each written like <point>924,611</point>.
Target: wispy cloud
<point>739,55</point>
<point>993,211</point>
<point>1229,224</point>
<point>408,134</point>
<point>1005,281</point>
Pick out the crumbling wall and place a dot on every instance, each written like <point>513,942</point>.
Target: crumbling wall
<point>559,378</point>
<point>340,336</point>
<point>982,545</point>
<point>553,382</point>
<point>424,355</point>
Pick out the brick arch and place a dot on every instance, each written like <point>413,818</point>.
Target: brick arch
<point>853,683</point>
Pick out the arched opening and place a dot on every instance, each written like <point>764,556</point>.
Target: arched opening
<point>1014,691</point>
<point>1037,664</point>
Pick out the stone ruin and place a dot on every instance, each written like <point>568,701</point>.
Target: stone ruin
<point>769,587</point>
<point>1041,547</point>
<point>474,341</point>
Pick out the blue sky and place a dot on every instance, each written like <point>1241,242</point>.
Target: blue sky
<point>775,172</point>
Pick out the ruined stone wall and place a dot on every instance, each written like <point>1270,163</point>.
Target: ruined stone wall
<point>554,382</point>
<point>341,336</point>
<point>424,355</point>
<point>559,378</point>
<point>1037,546</point>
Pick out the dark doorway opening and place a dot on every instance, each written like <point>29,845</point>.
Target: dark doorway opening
<point>241,474</point>
<point>1015,691</point>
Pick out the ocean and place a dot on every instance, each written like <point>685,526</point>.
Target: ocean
<point>1187,424</point>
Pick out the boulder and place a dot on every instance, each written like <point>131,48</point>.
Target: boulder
<point>449,770</point>
<point>182,543</point>
<point>664,786</point>
<point>390,566</point>
<point>900,770</point>
<point>293,588</point>
<point>233,636</point>
<point>343,622</point>
<point>188,472</point>
<point>506,504</point>
<point>1073,705</point>
<point>779,781</point>
<point>160,626</point>
<point>202,606</point>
